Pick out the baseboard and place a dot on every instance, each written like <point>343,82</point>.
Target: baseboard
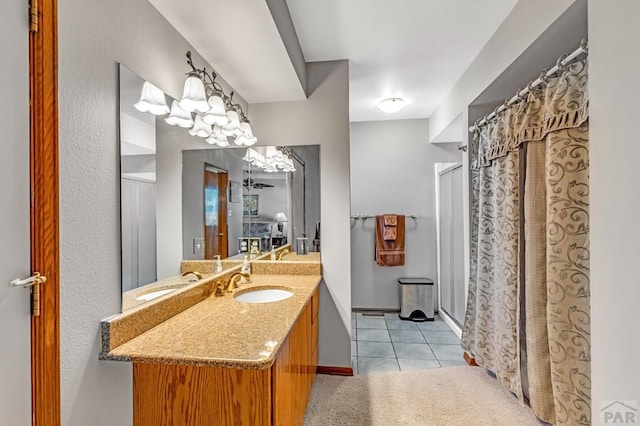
<point>470,360</point>
<point>335,371</point>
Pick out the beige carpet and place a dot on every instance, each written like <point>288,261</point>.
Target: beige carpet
<point>440,396</point>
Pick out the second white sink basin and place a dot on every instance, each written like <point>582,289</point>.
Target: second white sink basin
<point>263,295</point>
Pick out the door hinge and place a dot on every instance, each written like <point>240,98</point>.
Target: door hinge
<point>33,16</point>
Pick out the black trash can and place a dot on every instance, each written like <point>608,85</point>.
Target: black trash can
<point>416,299</point>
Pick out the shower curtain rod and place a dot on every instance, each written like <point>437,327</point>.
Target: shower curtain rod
<point>562,61</point>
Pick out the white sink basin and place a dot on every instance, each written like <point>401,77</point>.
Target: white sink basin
<point>155,294</point>
<point>263,295</point>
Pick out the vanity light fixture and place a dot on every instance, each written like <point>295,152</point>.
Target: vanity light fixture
<point>217,116</point>
<point>272,160</point>
<point>152,100</point>
<point>391,105</point>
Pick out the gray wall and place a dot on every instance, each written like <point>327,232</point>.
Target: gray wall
<point>270,200</point>
<point>193,164</point>
<point>93,36</point>
<point>614,61</point>
<point>393,171</point>
<point>323,120</point>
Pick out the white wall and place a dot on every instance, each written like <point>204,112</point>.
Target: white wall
<point>614,90</point>
<point>323,120</point>
<point>392,171</point>
<point>93,36</point>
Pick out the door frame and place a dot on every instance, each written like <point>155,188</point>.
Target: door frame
<point>438,173</point>
<point>222,213</point>
<point>45,234</point>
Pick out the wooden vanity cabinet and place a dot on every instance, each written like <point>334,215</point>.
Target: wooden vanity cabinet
<point>176,395</point>
<point>295,368</point>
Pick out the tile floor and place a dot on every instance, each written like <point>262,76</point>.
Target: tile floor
<point>387,343</point>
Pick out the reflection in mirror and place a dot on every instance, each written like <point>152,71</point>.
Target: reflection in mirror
<point>264,209</point>
<point>183,199</point>
<point>137,186</point>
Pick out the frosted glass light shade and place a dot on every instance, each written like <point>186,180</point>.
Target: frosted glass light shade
<point>233,126</point>
<point>200,128</point>
<point>246,129</point>
<point>194,97</point>
<point>218,139</point>
<point>216,114</point>
<point>271,153</point>
<point>253,156</point>
<point>243,140</point>
<point>246,138</point>
<point>179,117</point>
<point>152,100</point>
<point>391,105</point>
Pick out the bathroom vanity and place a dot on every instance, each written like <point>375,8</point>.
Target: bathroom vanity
<point>219,360</point>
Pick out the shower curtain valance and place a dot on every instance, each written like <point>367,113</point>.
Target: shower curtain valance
<point>562,104</point>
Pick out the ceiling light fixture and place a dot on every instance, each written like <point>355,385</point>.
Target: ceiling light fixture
<point>391,105</point>
<point>217,116</point>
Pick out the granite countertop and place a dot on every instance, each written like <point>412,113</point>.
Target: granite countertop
<point>312,256</point>
<point>223,332</point>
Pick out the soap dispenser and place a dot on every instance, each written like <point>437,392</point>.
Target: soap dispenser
<point>246,266</point>
<point>273,254</point>
<point>218,264</point>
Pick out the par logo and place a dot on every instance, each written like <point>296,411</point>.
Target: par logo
<point>619,412</point>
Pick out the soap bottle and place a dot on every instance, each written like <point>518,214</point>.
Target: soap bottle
<point>218,264</point>
<point>273,254</point>
<point>246,266</point>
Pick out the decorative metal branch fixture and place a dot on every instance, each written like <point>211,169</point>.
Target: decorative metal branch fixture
<point>217,116</point>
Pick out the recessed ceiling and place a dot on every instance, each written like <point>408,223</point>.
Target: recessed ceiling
<point>241,40</point>
<point>412,49</point>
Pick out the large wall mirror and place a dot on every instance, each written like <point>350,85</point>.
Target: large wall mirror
<point>183,199</point>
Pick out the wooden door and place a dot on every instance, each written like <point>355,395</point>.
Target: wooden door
<point>215,213</point>
<point>15,259</point>
<point>29,221</point>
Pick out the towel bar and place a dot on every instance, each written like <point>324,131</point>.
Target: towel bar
<point>366,216</point>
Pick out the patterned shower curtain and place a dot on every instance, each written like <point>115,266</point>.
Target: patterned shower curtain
<point>528,317</point>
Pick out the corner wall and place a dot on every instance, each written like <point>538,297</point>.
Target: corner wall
<point>392,171</point>
<point>526,22</point>
<point>323,120</point>
<point>614,90</point>
<point>93,36</point>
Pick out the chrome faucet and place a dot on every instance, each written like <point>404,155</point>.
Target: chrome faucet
<point>283,253</point>
<point>233,281</point>
<point>198,275</point>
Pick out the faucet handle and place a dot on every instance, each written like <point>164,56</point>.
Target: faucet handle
<point>218,292</point>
